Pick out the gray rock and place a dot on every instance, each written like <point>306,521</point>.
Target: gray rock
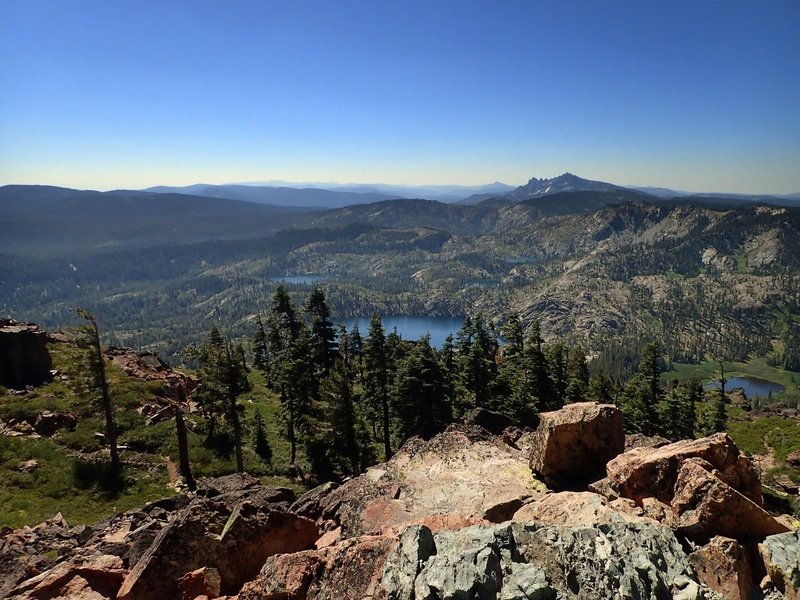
<point>516,561</point>
<point>781,556</point>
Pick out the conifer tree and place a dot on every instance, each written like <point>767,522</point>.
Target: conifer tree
<point>577,375</point>
<point>419,393</point>
<point>541,386</point>
<point>89,335</point>
<point>261,444</point>
<point>516,398</point>
<point>323,334</point>
<point>376,380</point>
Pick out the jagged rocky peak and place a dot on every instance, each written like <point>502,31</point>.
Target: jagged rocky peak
<point>461,515</point>
<point>563,183</point>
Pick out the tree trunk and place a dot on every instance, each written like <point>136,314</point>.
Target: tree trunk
<point>237,435</point>
<point>387,445</point>
<point>183,450</point>
<point>108,409</point>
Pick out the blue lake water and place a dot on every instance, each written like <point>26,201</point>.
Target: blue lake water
<point>299,279</point>
<point>753,386</point>
<point>411,328</point>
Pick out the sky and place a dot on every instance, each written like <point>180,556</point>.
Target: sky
<point>699,95</point>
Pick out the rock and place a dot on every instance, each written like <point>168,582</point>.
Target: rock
<point>200,582</point>
<point>652,472</point>
<point>793,459</point>
<point>781,556</point>
<point>493,422</point>
<point>97,577</point>
<point>28,466</point>
<point>311,503</point>
<point>349,570</point>
<point>49,422</point>
<point>579,508</point>
<point>639,440</point>
<point>739,398</point>
<point>706,506</point>
<point>722,566</point>
<point>458,477</point>
<point>786,484</point>
<point>514,561</point>
<point>24,358</point>
<point>241,486</point>
<point>234,538</point>
<point>571,446</point>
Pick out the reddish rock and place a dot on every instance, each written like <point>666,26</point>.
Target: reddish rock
<point>571,446</point>
<point>460,475</point>
<point>95,578</point>
<point>652,472</point>
<point>579,508</point>
<point>200,582</point>
<point>235,540</point>
<point>706,506</point>
<point>722,566</point>
<point>351,570</point>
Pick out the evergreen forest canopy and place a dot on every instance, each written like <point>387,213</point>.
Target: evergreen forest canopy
<point>349,400</point>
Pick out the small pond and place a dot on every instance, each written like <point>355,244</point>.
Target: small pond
<point>753,386</point>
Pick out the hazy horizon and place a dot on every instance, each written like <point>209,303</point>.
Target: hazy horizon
<point>694,96</point>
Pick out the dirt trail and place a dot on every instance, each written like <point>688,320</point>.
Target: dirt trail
<point>172,470</point>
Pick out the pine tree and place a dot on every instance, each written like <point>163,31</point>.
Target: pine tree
<point>376,380</point>
<point>541,386</point>
<point>556,355</point>
<point>577,375</point>
<point>291,367</point>
<point>261,444</point>
<point>719,414</point>
<point>223,379</point>
<point>516,399</point>
<point>89,335</point>
<point>323,335</point>
<point>419,393</point>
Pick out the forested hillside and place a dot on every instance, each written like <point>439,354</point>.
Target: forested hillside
<point>608,268</point>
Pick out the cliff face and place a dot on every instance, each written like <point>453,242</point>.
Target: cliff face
<point>460,516</point>
<point>24,359</point>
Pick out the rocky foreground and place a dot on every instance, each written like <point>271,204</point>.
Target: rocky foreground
<point>482,511</point>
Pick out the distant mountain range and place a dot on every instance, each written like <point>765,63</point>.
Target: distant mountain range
<point>335,195</point>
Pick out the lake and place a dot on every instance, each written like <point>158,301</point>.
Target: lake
<point>411,328</point>
<point>753,386</point>
<point>298,279</point>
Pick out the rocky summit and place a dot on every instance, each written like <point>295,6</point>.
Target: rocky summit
<point>471,513</point>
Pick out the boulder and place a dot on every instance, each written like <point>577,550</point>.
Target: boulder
<point>95,578</point>
<point>571,446</point>
<point>456,478</point>
<point>706,506</point>
<point>49,422</point>
<point>24,358</point>
<point>234,538</point>
<point>579,508</point>
<point>493,422</point>
<point>513,561</point>
<point>793,459</point>
<point>652,472</point>
<point>781,556</point>
<point>350,570</point>
<point>722,565</point>
<point>200,582</point>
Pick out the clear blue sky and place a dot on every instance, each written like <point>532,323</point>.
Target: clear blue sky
<point>691,94</point>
